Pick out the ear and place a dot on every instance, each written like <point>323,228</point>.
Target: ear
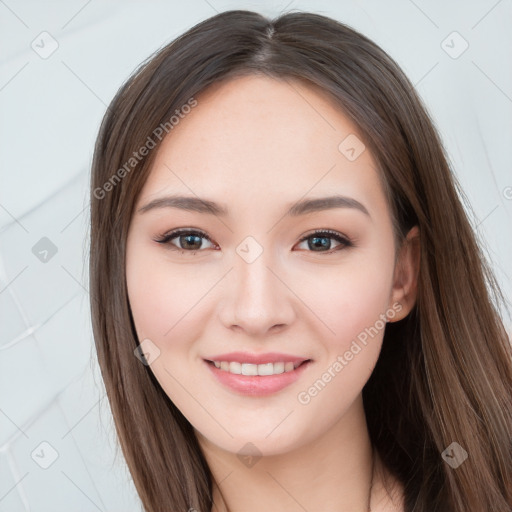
<point>405,276</point>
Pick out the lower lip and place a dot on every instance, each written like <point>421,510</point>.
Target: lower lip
<point>257,385</point>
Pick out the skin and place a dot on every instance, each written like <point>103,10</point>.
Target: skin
<point>257,145</point>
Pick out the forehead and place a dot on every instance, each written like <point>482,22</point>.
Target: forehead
<point>269,140</point>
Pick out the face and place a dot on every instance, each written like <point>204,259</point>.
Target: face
<point>250,281</point>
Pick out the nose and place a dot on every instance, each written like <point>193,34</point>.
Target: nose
<point>257,299</point>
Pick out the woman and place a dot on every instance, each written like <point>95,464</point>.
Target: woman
<point>289,306</point>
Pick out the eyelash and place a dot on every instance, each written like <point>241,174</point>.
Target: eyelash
<point>167,237</point>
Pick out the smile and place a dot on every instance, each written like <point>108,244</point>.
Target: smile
<point>256,369</point>
<point>256,379</point>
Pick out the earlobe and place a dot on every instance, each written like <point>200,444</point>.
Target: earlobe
<point>405,278</point>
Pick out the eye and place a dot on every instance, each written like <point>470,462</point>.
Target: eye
<point>320,240</point>
<point>191,240</point>
<point>188,240</point>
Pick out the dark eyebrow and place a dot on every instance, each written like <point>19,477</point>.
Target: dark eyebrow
<point>325,203</point>
<point>193,204</point>
<point>301,207</point>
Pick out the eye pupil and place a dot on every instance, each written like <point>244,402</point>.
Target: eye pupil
<point>188,243</point>
<point>325,242</point>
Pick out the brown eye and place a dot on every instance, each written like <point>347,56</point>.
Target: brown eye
<point>320,240</point>
<point>187,240</point>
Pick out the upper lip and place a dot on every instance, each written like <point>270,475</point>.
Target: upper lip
<point>268,357</point>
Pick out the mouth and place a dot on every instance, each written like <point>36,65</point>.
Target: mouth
<point>262,377</point>
<point>262,369</point>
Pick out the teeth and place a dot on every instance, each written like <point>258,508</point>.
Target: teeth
<point>255,369</point>
<point>234,367</point>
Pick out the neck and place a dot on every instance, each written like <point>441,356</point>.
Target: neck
<point>332,472</point>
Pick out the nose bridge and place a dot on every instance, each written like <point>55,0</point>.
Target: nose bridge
<point>254,280</point>
<point>259,299</point>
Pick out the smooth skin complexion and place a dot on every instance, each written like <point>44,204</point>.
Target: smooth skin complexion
<point>256,146</point>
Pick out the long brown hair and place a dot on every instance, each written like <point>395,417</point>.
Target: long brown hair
<point>444,374</point>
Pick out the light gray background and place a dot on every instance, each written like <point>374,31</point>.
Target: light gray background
<point>51,107</point>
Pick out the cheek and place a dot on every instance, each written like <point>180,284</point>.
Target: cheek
<point>364,301</point>
<point>165,303</point>
<point>348,299</point>
<point>154,299</point>
<point>353,306</point>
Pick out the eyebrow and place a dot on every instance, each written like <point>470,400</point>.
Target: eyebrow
<point>301,207</point>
